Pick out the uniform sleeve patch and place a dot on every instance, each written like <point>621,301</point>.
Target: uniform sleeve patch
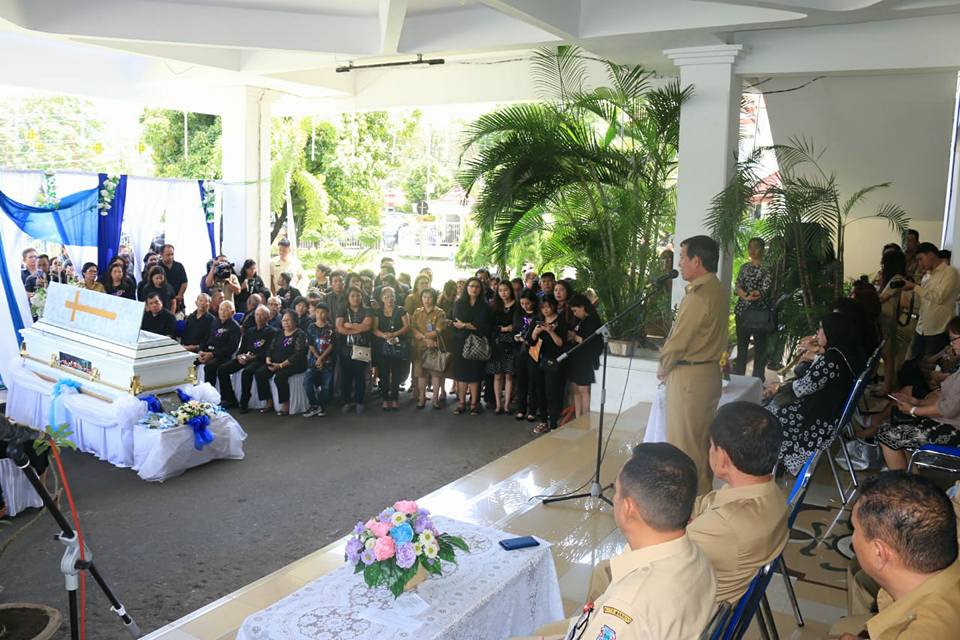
<point>606,633</point>
<point>613,611</point>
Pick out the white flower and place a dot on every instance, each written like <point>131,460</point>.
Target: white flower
<point>371,543</point>
<point>431,550</point>
<point>104,193</point>
<point>418,548</point>
<point>398,518</point>
<point>427,537</point>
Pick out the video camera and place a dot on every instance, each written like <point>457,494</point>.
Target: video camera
<point>223,270</point>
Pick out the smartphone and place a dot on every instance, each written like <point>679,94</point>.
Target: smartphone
<point>895,399</point>
<point>511,544</point>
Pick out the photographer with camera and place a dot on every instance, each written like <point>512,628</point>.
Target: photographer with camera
<point>220,273</point>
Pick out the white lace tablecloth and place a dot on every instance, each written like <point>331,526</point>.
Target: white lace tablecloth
<point>491,594</point>
<point>745,388</point>
<point>101,429</point>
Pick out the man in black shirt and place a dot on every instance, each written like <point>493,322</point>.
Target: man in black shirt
<point>29,267</point>
<point>251,355</point>
<point>158,320</point>
<point>199,325</point>
<point>176,274</point>
<point>223,341</point>
<point>253,301</point>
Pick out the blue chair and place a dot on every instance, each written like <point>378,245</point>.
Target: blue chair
<point>238,317</point>
<point>716,624</point>
<point>797,493</point>
<point>941,459</point>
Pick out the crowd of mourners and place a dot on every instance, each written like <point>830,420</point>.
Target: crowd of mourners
<point>499,340</point>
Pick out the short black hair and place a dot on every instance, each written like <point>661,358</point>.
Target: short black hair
<point>914,233</point>
<point>152,295</point>
<point>760,242</point>
<point>283,243</point>
<point>750,435</point>
<point>927,247</point>
<point>911,515</point>
<point>298,300</point>
<point>705,248</point>
<point>87,266</point>
<point>662,480</point>
<point>548,274</point>
<point>945,254</point>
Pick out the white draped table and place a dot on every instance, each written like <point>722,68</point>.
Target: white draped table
<point>112,433</point>
<point>491,594</point>
<point>745,388</point>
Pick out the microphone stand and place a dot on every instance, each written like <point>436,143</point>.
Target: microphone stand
<point>70,563</point>
<point>597,489</point>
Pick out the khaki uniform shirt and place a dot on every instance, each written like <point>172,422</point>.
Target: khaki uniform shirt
<point>291,265</point>
<point>739,530</point>
<point>938,300</point>
<point>663,591</point>
<point>929,612</point>
<point>699,334</point>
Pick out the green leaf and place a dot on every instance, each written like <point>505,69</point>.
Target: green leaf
<point>432,566</point>
<point>371,574</point>
<point>446,553</point>
<point>456,541</point>
<point>396,588</point>
<point>358,567</point>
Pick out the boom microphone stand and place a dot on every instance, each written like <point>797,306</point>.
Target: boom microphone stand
<point>70,563</point>
<point>597,489</point>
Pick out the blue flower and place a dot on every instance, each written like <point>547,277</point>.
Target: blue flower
<point>402,534</point>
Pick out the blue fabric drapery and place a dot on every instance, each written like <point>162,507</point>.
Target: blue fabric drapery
<point>73,222</point>
<point>9,294</point>
<point>108,226</point>
<point>210,233</point>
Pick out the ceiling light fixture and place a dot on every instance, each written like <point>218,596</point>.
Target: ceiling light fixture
<point>381,65</point>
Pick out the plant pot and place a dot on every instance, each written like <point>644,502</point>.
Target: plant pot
<point>22,621</point>
<point>417,578</point>
<point>622,348</point>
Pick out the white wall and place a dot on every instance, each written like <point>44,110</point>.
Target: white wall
<point>872,129</point>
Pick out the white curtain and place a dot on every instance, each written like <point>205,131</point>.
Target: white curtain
<point>186,229</point>
<point>143,214</point>
<point>22,187</point>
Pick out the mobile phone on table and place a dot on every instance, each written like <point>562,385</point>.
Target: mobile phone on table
<point>511,544</point>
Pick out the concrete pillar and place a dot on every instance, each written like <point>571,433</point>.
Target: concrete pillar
<point>246,176</point>
<point>951,228</point>
<point>709,126</point>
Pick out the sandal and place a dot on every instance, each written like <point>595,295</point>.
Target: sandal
<point>459,409</point>
<point>531,417</point>
<point>520,415</point>
<point>499,412</point>
<point>543,427</point>
<point>421,404</point>
<point>474,410</point>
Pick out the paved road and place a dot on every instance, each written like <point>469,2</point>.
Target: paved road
<point>169,548</point>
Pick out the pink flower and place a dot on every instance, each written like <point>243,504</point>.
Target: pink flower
<point>406,506</point>
<point>385,548</point>
<point>369,524</point>
<point>380,529</point>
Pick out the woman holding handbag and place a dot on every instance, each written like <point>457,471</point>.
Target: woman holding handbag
<point>354,322</point>
<point>548,340</point>
<point>429,355</point>
<point>501,364</point>
<point>391,325</point>
<point>527,375</point>
<point>471,346</point>
<point>752,311</point>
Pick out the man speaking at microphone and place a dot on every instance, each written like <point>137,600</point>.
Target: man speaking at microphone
<point>690,357</point>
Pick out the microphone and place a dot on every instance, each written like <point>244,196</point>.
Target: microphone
<point>669,275</point>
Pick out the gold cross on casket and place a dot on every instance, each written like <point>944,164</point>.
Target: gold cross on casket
<point>75,306</point>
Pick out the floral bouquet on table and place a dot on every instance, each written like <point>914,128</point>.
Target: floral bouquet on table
<point>399,547</point>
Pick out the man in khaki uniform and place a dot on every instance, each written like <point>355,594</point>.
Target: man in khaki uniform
<point>743,525</point>
<point>905,537</point>
<point>285,262</point>
<point>663,586</point>
<point>938,301</point>
<point>690,357</point>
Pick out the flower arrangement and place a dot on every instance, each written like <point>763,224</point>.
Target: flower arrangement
<point>107,193</point>
<point>38,301</point>
<point>190,412</point>
<point>47,196</point>
<point>209,200</point>
<point>394,547</point>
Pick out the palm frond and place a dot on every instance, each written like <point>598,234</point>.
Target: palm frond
<point>558,73</point>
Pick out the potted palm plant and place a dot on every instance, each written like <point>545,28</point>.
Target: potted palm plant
<point>592,169</point>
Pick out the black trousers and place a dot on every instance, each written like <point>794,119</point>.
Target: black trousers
<point>527,383</point>
<point>552,395</point>
<point>246,381</point>
<point>928,345</point>
<point>392,371</point>
<point>353,378</point>
<point>759,351</point>
<point>281,378</point>
<point>210,369</point>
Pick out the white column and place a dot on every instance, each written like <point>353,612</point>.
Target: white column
<point>709,124</point>
<point>951,228</point>
<point>246,176</point>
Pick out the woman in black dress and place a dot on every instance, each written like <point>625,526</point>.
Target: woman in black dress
<point>157,283</point>
<point>287,357</point>
<point>547,342</point>
<point>391,326</point>
<point>563,292</point>
<point>116,282</point>
<point>354,322</point>
<point>586,359</point>
<point>250,283</point>
<point>471,316</point>
<point>527,375</point>
<point>504,355</point>
<point>809,420</point>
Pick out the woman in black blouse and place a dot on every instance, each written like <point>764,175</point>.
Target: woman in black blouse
<point>528,377</point>
<point>391,325</point>
<point>471,317</point>
<point>585,360</point>
<point>287,357</point>
<point>547,342</point>
<point>116,282</point>
<point>354,323</point>
<point>250,283</point>
<point>753,300</point>
<point>504,353</point>
<point>157,283</point>
<point>563,292</point>
<point>286,292</point>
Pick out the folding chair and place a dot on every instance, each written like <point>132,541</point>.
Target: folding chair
<point>794,500</point>
<point>715,626</point>
<point>938,461</point>
<point>752,603</point>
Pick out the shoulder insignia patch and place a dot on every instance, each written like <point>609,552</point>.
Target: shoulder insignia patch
<point>613,611</point>
<point>606,633</point>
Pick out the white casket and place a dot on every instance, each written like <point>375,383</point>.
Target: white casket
<point>95,339</point>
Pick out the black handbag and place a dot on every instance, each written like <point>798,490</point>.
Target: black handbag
<point>759,320</point>
<point>399,351</point>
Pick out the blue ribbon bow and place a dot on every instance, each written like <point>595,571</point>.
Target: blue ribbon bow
<point>153,403</point>
<point>183,397</point>
<point>58,388</point>
<point>201,435</point>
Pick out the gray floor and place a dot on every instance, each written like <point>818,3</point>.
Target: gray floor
<point>169,548</point>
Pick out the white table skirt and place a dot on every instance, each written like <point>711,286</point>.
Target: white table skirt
<point>99,428</point>
<point>18,493</point>
<point>298,397</point>
<point>491,594</point>
<point>745,388</point>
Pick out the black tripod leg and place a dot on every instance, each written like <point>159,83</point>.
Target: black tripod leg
<point>116,605</point>
<point>575,496</point>
<point>74,621</point>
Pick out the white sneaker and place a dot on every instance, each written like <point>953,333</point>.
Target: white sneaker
<point>320,412</point>
<point>312,411</point>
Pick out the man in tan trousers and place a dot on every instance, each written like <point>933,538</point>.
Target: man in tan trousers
<point>690,357</point>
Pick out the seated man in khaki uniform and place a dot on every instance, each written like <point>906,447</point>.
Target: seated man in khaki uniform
<point>905,537</point>
<point>743,525</point>
<point>663,586</point>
